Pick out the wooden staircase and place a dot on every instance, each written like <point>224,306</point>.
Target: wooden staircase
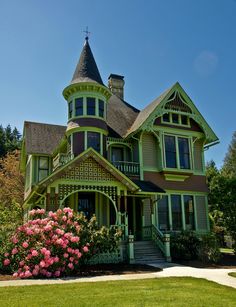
<point>146,252</point>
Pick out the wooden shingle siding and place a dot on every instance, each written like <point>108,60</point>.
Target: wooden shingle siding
<point>149,143</point>
<point>201,213</point>
<point>198,147</point>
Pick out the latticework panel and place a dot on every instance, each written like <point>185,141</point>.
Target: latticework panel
<point>67,189</point>
<point>88,170</point>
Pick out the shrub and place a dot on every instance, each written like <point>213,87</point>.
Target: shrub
<point>209,249</point>
<point>184,246</point>
<point>56,244</point>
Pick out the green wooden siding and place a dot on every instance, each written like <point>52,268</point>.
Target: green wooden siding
<point>197,152</point>
<point>201,214</point>
<point>149,143</point>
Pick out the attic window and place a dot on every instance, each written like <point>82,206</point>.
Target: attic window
<point>166,117</point>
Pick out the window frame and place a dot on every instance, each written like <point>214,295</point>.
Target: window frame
<point>43,168</point>
<point>70,109</point>
<point>171,122</point>
<point>81,107</point>
<point>94,108</point>
<point>178,152</point>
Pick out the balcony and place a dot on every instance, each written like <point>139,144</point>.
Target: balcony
<point>61,159</point>
<point>128,168</point>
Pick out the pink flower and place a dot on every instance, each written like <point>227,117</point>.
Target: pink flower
<point>28,274</point>
<point>22,263</point>
<point>14,251</point>
<point>64,218</point>
<point>6,262</point>
<point>35,272</point>
<point>49,274</point>
<point>75,239</point>
<point>29,231</point>
<point>57,273</point>
<point>71,266</point>
<point>47,253</point>
<point>67,210</point>
<point>14,240</point>
<point>85,249</point>
<point>42,263</point>
<point>6,254</point>
<point>25,244</point>
<point>71,259</point>
<point>15,275</point>
<point>66,255</point>
<point>34,253</point>
<point>70,250</point>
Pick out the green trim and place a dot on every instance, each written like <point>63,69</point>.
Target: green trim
<point>159,110</point>
<point>88,128</point>
<point>86,87</point>
<point>175,177</point>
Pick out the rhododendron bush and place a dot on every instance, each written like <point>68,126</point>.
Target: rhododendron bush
<point>55,244</point>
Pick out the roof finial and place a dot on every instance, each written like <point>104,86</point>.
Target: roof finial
<point>87,33</point>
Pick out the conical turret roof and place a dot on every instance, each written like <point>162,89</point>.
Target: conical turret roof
<point>86,69</point>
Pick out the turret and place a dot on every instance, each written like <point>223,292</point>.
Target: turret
<point>87,99</point>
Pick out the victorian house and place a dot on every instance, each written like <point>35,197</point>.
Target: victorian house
<point>140,170</point>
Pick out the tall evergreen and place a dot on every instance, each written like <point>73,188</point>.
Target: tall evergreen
<point>229,167</point>
<point>10,140</point>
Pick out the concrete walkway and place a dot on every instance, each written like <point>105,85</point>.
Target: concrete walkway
<point>219,276</point>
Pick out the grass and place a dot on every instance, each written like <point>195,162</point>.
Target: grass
<point>227,250</point>
<point>182,291</point>
<point>233,274</point>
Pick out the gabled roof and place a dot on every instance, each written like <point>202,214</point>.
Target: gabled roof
<point>90,152</point>
<point>86,69</point>
<point>120,115</point>
<point>42,138</point>
<point>159,106</point>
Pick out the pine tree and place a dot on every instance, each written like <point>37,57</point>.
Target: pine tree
<point>229,167</point>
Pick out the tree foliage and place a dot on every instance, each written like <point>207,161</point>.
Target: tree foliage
<point>222,193</point>
<point>10,140</point>
<point>11,194</point>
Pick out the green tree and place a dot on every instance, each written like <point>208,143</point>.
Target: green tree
<point>229,167</point>
<point>10,140</point>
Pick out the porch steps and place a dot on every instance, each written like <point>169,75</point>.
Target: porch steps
<point>147,252</point>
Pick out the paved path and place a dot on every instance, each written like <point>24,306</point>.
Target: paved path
<point>219,276</point>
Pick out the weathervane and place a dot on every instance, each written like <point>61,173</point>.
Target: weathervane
<point>87,33</point>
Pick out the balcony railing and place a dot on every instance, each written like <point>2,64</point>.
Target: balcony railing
<point>128,168</point>
<point>61,159</point>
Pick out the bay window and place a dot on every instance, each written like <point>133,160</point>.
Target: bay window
<point>93,140</point>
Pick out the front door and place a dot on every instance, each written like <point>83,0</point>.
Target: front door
<point>86,204</point>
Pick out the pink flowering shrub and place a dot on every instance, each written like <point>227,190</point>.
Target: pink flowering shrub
<point>55,244</point>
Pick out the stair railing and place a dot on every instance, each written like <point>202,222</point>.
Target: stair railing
<point>162,240</point>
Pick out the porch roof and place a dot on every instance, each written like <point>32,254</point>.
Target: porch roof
<point>148,186</point>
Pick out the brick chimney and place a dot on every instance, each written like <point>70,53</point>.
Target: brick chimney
<point>116,85</point>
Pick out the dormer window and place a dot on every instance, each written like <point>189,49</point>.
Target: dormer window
<point>79,106</point>
<point>91,103</point>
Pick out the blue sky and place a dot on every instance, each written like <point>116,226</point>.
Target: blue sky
<point>153,43</point>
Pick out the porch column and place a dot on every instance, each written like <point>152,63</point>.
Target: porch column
<point>126,216</point>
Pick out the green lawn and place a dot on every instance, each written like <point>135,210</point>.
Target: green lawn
<point>233,274</point>
<point>181,291</point>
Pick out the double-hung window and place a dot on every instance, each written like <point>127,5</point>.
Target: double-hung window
<point>93,140</point>
<point>177,152</point>
<point>43,168</point>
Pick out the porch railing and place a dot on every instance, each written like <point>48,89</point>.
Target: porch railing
<point>61,159</point>
<point>162,241</point>
<point>128,168</point>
